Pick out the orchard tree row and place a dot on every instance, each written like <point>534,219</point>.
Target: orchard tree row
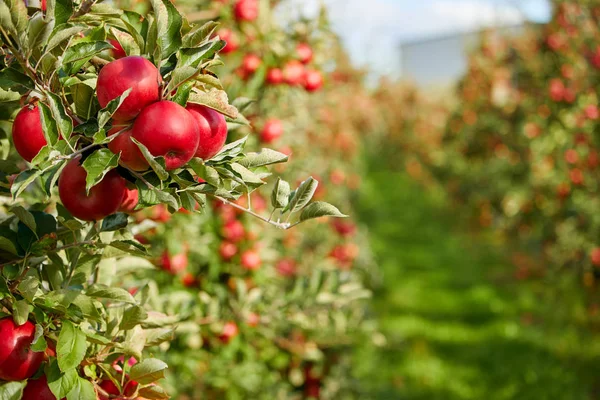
<point>517,143</point>
<point>148,240</point>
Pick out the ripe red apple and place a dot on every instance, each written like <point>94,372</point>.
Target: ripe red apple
<point>571,156</point>
<point>233,231</point>
<point>212,128</point>
<point>592,112</point>
<point>286,267</point>
<point>595,256</point>
<point>27,133</point>
<point>43,5</point>
<point>251,63</point>
<point>227,250</point>
<point>274,76</point>
<point>17,360</point>
<point>118,51</point>
<point>557,90</point>
<point>313,81</point>
<point>304,52</point>
<point>160,213</point>
<point>37,389</point>
<point>576,176</point>
<point>272,130</point>
<point>174,264</point>
<point>133,72</point>
<point>130,200</point>
<point>344,228</point>
<point>251,260</point>
<point>337,177</point>
<point>131,156</point>
<point>189,280</point>
<point>230,330</point>
<point>168,130</point>
<point>103,200</point>
<point>246,10</point>
<point>233,43</point>
<point>110,388</point>
<point>293,73</point>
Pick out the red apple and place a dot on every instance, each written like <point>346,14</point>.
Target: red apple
<point>595,256</point>
<point>304,52</point>
<point>227,250</point>
<point>344,228</point>
<point>251,260</point>
<point>286,267</point>
<point>174,264</point>
<point>37,389</point>
<point>313,81</point>
<point>131,156</point>
<point>272,130</point>
<point>133,72</point>
<point>293,73</point>
<point>168,130</point>
<point>118,51</point>
<point>274,76</point>
<point>230,330</point>
<point>110,388</point>
<point>43,5</point>
<point>233,231</point>
<point>251,63</point>
<point>103,200</point>
<point>189,280</point>
<point>17,360</point>
<point>231,38</point>
<point>246,10</point>
<point>130,200</point>
<point>571,156</point>
<point>212,128</point>
<point>27,133</point>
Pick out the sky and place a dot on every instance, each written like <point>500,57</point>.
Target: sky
<point>372,30</point>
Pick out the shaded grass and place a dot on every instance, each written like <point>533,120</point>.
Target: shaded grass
<point>453,330</point>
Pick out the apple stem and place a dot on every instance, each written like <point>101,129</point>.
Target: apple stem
<point>280,225</point>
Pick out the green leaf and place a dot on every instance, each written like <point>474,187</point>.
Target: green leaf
<point>265,157</point>
<point>249,178</point>
<point>23,180</point>
<point>25,217</point>
<point>148,371</point>
<point>63,9</point>
<point>199,33</point>
<point>28,287</point>
<point>303,194</point>
<point>13,20</point>
<point>49,125</point>
<point>114,222</point>
<point>63,121</point>
<point>71,346</point>
<point>168,26</point>
<point>39,30</point>
<point>21,310</point>
<point>215,99</point>
<point>7,245</point>
<point>180,76</point>
<point>83,390</point>
<point>320,209</point>
<point>8,96</point>
<point>97,165</point>
<point>281,194</point>
<point>107,112</point>
<point>84,51</point>
<point>87,307</point>
<point>39,342</point>
<point>133,316</point>
<point>110,293</point>
<point>154,392</point>
<point>192,57</point>
<point>209,174</point>
<point>230,151</point>
<point>159,169</point>
<point>167,198</point>
<point>62,33</point>
<point>61,383</point>
<point>10,78</point>
<point>84,100</point>
<point>12,390</point>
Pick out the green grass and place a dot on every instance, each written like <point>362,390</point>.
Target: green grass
<point>453,316</point>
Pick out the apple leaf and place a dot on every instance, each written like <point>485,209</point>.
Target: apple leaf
<point>148,371</point>
<point>71,346</point>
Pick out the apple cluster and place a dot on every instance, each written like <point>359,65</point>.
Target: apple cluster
<point>165,128</point>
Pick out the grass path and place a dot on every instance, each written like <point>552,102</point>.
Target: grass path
<point>452,332</point>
